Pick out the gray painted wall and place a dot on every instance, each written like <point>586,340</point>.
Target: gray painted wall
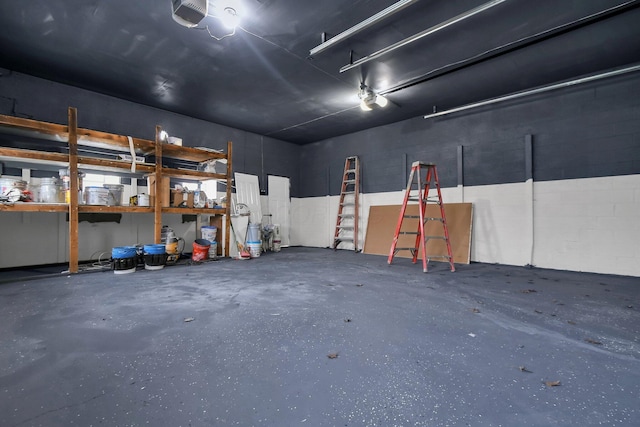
<point>592,130</point>
<point>30,97</point>
<point>584,131</point>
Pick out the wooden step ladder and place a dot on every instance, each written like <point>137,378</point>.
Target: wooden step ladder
<point>422,197</point>
<point>347,221</point>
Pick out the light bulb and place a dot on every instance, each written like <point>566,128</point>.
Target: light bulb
<point>229,18</point>
<point>228,12</point>
<point>381,101</point>
<point>364,106</point>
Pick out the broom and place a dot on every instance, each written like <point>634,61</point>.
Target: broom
<point>242,252</point>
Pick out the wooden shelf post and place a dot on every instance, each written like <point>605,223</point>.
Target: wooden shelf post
<point>73,196</point>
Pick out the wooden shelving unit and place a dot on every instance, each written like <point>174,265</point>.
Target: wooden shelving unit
<point>74,138</point>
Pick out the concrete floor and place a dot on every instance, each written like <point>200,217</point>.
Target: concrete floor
<point>471,348</point>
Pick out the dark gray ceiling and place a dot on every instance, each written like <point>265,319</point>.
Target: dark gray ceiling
<point>262,79</point>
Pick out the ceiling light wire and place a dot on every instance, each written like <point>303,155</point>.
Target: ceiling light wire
<point>294,55</point>
<point>219,38</point>
<point>313,120</point>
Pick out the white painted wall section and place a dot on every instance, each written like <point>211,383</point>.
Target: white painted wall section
<point>499,223</point>
<point>280,206</point>
<point>590,225</point>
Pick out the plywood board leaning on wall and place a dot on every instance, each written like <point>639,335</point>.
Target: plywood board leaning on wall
<point>383,220</point>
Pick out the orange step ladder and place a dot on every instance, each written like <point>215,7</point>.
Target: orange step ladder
<point>422,197</point>
<point>347,221</point>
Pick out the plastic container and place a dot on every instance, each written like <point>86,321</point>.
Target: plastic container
<point>65,177</point>
<point>96,196</point>
<point>209,232</point>
<point>12,188</point>
<point>51,191</point>
<point>120,252</point>
<point>155,257</point>
<point>254,249</point>
<point>143,199</point>
<point>200,250</point>
<point>253,233</point>
<point>124,259</point>
<point>154,249</point>
<point>7,184</point>
<point>115,194</point>
<point>276,238</point>
<point>213,250</point>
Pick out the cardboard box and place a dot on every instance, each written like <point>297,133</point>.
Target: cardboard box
<point>178,197</point>
<point>164,189</point>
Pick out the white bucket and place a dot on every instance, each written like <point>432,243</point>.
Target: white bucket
<point>276,245</point>
<point>96,196</point>
<point>213,250</point>
<point>254,249</point>
<point>143,199</point>
<point>115,194</point>
<point>253,233</point>
<point>209,232</point>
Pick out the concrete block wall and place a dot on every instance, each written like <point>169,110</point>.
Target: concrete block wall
<point>588,224</point>
<point>584,138</point>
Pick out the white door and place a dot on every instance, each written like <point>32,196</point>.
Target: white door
<point>280,206</point>
<point>248,192</point>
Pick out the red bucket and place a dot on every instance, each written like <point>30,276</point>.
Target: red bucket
<point>200,250</point>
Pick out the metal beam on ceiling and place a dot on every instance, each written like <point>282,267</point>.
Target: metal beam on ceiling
<point>422,34</point>
<point>537,90</point>
<point>513,46</point>
<point>369,22</point>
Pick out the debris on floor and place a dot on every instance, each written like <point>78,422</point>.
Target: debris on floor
<point>189,319</point>
<point>552,383</point>
<point>592,341</point>
<point>332,355</point>
<point>524,369</point>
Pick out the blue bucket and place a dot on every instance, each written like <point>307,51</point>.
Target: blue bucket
<point>154,249</point>
<point>122,252</point>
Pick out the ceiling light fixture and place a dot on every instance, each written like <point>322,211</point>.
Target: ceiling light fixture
<point>228,12</point>
<point>189,13</point>
<point>370,100</point>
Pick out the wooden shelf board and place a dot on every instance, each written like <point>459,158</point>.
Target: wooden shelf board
<point>114,209</point>
<point>190,154</point>
<point>98,139</point>
<point>32,156</point>
<point>21,126</point>
<point>194,211</point>
<point>116,165</point>
<point>192,174</point>
<point>34,207</point>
